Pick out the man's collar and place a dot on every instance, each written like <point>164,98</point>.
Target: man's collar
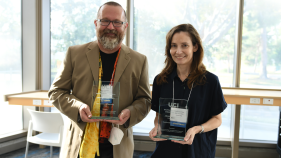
<point>110,53</point>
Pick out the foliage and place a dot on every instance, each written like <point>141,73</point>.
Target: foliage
<point>216,22</point>
<point>10,36</point>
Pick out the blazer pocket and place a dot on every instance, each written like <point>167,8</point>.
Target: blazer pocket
<point>70,126</point>
<point>69,136</point>
<point>129,132</point>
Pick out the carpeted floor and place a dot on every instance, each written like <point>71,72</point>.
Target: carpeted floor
<point>33,152</point>
<point>36,152</point>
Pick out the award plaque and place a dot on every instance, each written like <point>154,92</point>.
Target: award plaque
<point>109,100</point>
<point>172,119</point>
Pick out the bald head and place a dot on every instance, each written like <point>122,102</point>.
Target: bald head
<point>109,36</point>
<point>111,3</point>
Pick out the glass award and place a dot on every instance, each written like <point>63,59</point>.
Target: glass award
<point>172,119</point>
<point>109,100</point>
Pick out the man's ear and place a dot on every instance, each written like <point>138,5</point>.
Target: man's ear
<point>126,25</point>
<point>96,23</point>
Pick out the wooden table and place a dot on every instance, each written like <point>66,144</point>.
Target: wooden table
<point>237,96</point>
<point>243,95</point>
<point>231,95</point>
<point>33,98</point>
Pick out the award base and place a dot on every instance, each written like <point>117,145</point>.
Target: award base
<point>172,119</point>
<point>168,137</point>
<point>105,118</point>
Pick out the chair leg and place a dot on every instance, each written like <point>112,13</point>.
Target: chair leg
<point>51,152</point>
<point>26,150</point>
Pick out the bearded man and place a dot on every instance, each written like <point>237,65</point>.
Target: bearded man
<point>73,93</point>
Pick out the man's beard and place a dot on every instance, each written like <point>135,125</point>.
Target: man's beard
<point>109,42</point>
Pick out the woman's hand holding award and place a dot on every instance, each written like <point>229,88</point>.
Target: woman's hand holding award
<point>172,119</point>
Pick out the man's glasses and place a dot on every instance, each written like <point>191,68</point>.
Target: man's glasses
<point>107,22</point>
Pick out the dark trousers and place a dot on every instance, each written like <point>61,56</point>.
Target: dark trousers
<point>106,150</point>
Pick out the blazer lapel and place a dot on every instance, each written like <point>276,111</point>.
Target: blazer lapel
<point>122,63</point>
<point>93,59</point>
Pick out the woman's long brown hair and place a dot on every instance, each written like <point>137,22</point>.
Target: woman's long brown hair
<point>198,69</point>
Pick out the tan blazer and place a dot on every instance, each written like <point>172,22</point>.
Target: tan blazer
<point>73,86</point>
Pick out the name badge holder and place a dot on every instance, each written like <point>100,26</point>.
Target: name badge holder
<point>172,118</point>
<point>109,100</point>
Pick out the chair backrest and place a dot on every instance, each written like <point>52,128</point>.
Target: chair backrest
<point>46,121</point>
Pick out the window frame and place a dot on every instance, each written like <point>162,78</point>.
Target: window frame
<point>39,47</point>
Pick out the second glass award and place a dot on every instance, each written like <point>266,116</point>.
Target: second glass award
<point>172,119</point>
<point>109,100</point>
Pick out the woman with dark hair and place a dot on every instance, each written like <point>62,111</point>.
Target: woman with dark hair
<point>185,77</point>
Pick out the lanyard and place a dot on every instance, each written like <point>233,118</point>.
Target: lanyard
<point>115,64</point>
<point>174,91</point>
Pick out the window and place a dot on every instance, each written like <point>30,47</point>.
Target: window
<point>215,22</point>
<point>10,64</point>
<point>260,66</point>
<point>72,23</point>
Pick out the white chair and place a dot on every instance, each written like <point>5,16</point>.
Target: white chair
<point>67,122</point>
<point>51,127</point>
